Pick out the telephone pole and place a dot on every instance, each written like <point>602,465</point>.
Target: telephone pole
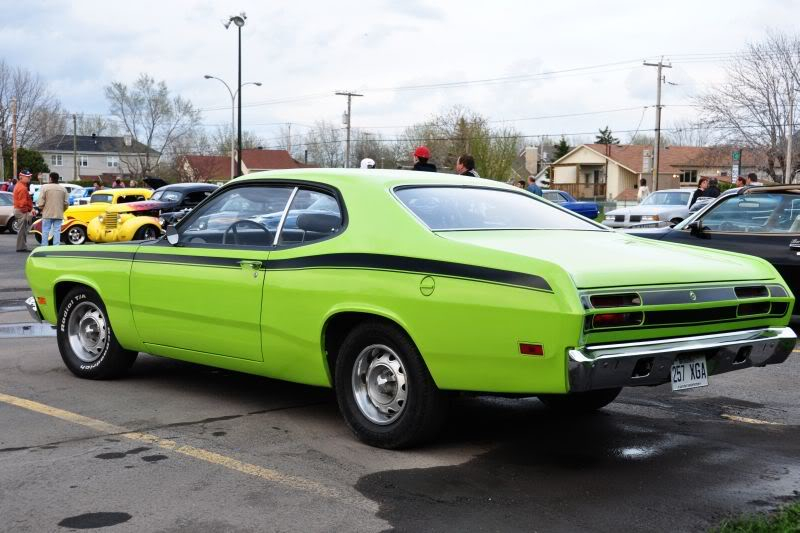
<point>787,175</point>
<point>657,141</point>
<point>349,96</point>
<point>289,139</point>
<point>14,137</point>
<point>75,147</point>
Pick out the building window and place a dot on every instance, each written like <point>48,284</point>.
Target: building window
<point>688,176</point>
<point>55,160</point>
<point>112,161</point>
<point>83,160</point>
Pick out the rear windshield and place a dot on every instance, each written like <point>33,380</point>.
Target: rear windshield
<point>473,208</point>
<point>667,198</point>
<point>102,198</point>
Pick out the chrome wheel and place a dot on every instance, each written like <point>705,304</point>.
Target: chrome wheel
<point>149,233</point>
<point>379,384</point>
<point>15,225</point>
<point>75,235</point>
<point>87,331</point>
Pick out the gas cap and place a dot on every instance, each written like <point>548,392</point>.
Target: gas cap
<point>427,285</point>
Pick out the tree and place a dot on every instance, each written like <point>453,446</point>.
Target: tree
<point>221,140</point>
<point>605,137</point>
<point>26,158</point>
<point>325,144</point>
<point>561,148</point>
<point>151,116</point>
<point>89,124</point>
<point>39,112</point>
<point>751,108</point>
<point>688,133</point>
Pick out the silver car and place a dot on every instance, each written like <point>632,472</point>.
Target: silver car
<point>668,206</point>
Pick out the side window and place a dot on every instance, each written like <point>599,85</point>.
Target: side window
<point>240,216</point>
<point>193,198</point>
<point>313,215</point>
<point>757,213</point>
<point>130,198</point>
<point>554,196</point>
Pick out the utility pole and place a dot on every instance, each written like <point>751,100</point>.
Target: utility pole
<point>349,96</point>
<point>657,142</point>
<point>14,137</point>
<point>787,175</point>
<point>289,139</point>
<point>75,175</point>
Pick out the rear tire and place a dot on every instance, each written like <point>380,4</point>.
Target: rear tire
<point>86,340</point>
<point>580,402</point>
<point>385,393</point>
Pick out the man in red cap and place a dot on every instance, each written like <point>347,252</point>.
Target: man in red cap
<point>23,209</point>
<point>421,156</point>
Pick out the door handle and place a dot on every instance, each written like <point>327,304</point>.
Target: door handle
<point>795,244</point>
<point>254,266</point>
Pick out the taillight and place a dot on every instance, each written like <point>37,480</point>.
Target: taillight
<point>600,301</point>
<point>616,320</point>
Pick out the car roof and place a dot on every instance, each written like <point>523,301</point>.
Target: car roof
<point>183,186</point>
<point>764,189</point>
<point>382,177</point>
<point>672,190</point>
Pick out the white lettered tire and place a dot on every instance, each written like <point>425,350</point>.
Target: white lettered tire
<point>86,340</point>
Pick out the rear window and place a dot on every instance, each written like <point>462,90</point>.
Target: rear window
<point>474,208</point>
<point>667,198</point>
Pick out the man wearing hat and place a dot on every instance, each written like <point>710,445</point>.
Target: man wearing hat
<point>421,156</point>
<point>23,209</point>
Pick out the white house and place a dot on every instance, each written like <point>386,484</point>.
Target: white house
<point>97,156</point>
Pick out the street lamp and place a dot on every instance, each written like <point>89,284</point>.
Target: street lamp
<point>233,121</point>
<point>239,21</point>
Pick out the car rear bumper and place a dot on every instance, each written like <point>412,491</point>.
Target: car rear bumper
<point>649,362</point>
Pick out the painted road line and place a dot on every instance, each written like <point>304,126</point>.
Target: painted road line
<point>746,420</point>
<point>267,474</point>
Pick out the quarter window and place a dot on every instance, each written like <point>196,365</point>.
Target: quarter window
<point>313,215</point>
<point>239,217</point>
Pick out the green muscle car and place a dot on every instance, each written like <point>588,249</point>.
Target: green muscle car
<point>397,288</point>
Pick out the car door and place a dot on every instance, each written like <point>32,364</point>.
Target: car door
<point>766,225</point>
<point>204,295</point>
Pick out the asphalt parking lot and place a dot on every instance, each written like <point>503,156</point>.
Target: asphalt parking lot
<point>181,447</point>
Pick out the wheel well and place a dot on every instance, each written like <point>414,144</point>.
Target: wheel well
<point>62,289</point>
<point>339,326</point>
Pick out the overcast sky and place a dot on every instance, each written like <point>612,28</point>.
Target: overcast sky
<point>303,51</point>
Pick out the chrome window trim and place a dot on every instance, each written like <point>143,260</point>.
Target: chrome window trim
<point>284,215</point>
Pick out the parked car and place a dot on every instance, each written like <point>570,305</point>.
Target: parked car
<point>70,187</point>
<point>142,220</point>
<point>566,200</point>
<point>668,205</point>
<point>80,196</point>
<point>7,220</point>
<point>410,287</point>
<point>77,217</point>
<point>760,221</point>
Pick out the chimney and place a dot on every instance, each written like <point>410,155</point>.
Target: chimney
<point>94,138</point>
<point>127,139</point>
<point>647,161</point>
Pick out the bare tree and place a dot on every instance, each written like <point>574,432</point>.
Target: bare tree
<point>39,112</point>
<point>221,140</point>
<point>688,133</point>
<point>751,108</point>
<point>325,144</point>
<point>151,116</point>
<point>98,124</point>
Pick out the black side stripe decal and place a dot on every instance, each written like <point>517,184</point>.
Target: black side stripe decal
<point>344,260</point>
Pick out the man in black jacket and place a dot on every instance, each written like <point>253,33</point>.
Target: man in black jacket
<point>702,186</point>
<point>713,189</point>
<point>465,166</point>
<point>421,156</point>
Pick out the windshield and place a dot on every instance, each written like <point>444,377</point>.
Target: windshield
<point>472,208</point>
<point>667,198</point>
<point>105,198</point>
<point>5,199</point>
<point>166,196</point>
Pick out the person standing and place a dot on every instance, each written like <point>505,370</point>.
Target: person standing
<point>367,163</point>
<point>741,182</point>
<point>53,200</point>
<point>97,185</point>
<point>421,156</point>
<point>713,188</point>
<point>702,186</point>
<point>533,188</point>
<point>465,166</point>
<point>23,209</point>
<point>752,180</point>
<point>644,190</point>
<point>12,184</point>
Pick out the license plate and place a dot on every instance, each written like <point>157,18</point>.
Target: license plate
<point>689,372</point>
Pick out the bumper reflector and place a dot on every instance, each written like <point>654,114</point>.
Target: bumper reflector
<point>530,349</point>
<point>42,300</point>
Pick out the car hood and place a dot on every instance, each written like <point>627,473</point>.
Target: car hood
<point>646,209</point>
<point>146,205</point>
<point>609,259</point>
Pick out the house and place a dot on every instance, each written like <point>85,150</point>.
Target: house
<point>217,167</point>
<point>97,155</point>
<point>607,171</point>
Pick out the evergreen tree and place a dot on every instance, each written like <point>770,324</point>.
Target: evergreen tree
<point>561,148</point>
<point>30,159</point>
<point>605,137</point>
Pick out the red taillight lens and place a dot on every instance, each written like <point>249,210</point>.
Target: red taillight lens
<point>616,320</point>
<point>530,349</point>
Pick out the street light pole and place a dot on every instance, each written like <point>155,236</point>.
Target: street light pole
<point>233,114</point>
<point>239,21</point>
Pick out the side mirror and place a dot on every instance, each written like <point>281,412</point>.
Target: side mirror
<point>696,227</point>
<point>172,235</point>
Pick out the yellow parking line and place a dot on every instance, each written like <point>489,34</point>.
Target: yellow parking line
<point>746,420</point>
<point>267,474</point>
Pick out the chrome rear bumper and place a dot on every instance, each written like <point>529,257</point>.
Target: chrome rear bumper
<point>33,309</point>
<point>649,362</point>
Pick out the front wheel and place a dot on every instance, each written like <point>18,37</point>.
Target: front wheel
<point>13,225</point>
<point>580,402</point>
<point>384,390</point>
<point>86,340</point>
<point>75,235</point>
<point>146,233</point>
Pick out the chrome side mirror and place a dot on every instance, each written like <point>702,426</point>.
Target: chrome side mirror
<point>172,235</point>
